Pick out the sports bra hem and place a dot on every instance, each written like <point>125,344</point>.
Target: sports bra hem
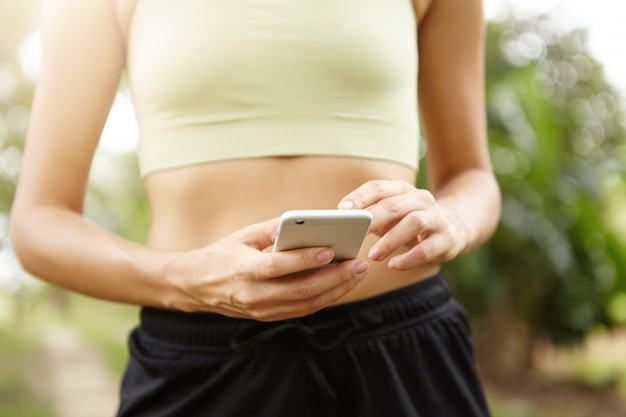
<point>267,137</point>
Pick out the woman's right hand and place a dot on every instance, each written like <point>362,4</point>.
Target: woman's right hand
<point>237,277</point>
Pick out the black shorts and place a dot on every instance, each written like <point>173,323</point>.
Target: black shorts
<point>404,353</point>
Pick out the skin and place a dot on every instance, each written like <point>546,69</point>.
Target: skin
<point>208,246</point>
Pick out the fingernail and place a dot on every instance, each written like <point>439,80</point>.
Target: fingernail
<point>375,254</point>
<point>346,205</point>
<point>361,269</point>
<point>325,255</point>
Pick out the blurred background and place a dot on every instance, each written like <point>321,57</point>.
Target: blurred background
<point>547,295</point>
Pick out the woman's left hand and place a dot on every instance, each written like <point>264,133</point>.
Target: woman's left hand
<point>406,216</point>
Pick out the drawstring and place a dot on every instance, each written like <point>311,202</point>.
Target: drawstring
<point>306,335</point>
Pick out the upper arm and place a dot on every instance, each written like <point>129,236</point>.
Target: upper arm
<point>451,89</point>
<point>82,61</point>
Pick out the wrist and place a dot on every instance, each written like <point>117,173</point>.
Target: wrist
<point>472,204</point>
<point>176,271</point>
<point>462,231</point>
<point>188,281</point>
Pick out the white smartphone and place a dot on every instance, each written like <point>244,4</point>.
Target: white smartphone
<point>341,230</point>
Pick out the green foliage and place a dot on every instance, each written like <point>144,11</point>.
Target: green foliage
<point>557,146</point>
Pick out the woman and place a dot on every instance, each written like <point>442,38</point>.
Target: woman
<point>249,108</point>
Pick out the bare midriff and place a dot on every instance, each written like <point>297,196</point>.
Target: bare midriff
<point>194,206</point>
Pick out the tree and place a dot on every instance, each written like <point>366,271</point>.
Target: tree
<point>557,263</point>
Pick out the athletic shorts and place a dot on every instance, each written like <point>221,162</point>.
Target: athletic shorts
<point>404,353</point>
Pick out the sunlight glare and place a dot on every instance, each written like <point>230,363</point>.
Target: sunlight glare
<point>121,133</point>
<point>30,55</point>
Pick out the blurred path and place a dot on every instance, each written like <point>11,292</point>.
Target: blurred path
<point>79,383</point>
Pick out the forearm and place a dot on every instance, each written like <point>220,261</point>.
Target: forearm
<point>472,202</point>
<point>61,247</point>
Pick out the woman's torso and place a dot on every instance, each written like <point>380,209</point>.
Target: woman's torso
<point>194,205</point>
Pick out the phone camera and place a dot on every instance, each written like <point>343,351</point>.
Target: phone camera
<point>299,221</point>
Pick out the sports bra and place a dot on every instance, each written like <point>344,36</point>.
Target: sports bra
<point>214,80</point>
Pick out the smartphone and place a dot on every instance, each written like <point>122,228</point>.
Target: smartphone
<point>341,230</point>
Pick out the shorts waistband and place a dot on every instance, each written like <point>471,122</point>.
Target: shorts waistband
<point>209,329</point>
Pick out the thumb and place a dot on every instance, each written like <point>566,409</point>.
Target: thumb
<point>259,235</point>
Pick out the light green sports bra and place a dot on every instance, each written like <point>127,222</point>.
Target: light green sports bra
<point>213,80</point>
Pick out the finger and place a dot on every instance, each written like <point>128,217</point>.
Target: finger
<point>389,211</point>
<point>434,249</point>
<point>407,230</point>
<point>259,235</point>
<point>278,264</point>
<point>371,192</point>
<point>424,253</point>
<point>312,305</point>
<point>303,298</point>
<point>303,287</point>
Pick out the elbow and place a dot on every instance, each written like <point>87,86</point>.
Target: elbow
<point>493,198</point>
<point>494,207</point>
<point>497,197</point>
<point>17,237</point>
<point>21,239</point>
